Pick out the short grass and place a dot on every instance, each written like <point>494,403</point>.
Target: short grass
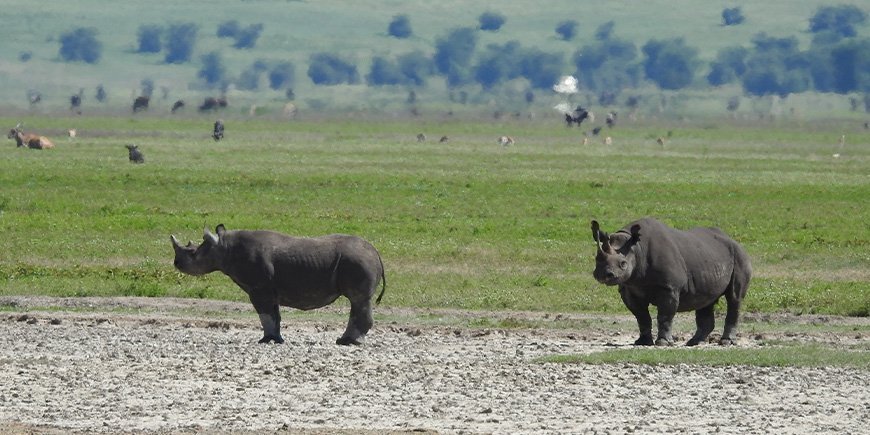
<point>465,224</point>
<point>795,355</point>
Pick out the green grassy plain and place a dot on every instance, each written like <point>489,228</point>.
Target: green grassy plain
<point>464,224</point>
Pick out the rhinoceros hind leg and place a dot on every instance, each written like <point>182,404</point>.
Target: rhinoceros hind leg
<point>359,323</point>
<point>705,320</point>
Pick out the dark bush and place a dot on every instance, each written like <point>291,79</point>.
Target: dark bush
<point>180,41</point>
<point>147,86</point>
<point>400,27</point>
<point>249,79</point>
<point>25,56</point>
<point>101,94</point>
<point>732,16</point>
<point>329,69</point>
<point>491,21</point>
<point>384,72</point>
<point>730,64</point>
<point>282,75</point>
<point>81,44</point>
<point>212,70</point>
<point>149,38</point>
<point>840,19</point>
<point>605,31</point>
<point>247,37</point>
<point>671,64</point>
<point>453,55</point>
<point>567,30</point>
<point>416,67</point>
<point>228,29</point>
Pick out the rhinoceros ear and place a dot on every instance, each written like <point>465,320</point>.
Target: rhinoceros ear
<point>220,230</point>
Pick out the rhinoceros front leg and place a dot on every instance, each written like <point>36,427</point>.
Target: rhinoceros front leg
<point>270,318</point>
<point>667,309</point>
<point>640,309</point>
<point>705,321</point>
<point>359,323</point>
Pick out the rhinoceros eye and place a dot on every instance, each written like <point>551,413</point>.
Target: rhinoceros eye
<point>623,264</point>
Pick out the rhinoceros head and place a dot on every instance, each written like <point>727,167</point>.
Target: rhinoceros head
<point>199,259</point>
<point>615,260</point>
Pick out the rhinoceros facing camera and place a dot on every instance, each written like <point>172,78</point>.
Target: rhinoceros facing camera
<point>674,270</point>
<point>275,270</point>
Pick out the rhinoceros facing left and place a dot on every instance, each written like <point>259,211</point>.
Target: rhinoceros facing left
<point>279,270</point>
<point>674,270</point>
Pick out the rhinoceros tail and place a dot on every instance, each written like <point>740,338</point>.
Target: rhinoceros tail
<point>383,281</point>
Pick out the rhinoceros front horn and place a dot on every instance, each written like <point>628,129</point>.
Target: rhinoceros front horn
<point>174,241</point>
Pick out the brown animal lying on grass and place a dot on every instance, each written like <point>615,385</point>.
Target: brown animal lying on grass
<point>31,140</point>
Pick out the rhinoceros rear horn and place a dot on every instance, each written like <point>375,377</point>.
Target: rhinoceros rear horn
<point>207,235</point>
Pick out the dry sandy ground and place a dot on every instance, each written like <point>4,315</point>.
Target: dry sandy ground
<point>179,367</point>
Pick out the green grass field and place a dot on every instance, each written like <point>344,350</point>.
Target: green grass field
<point>466,224</point>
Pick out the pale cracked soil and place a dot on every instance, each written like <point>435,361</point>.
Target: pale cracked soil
<point>169,366</point>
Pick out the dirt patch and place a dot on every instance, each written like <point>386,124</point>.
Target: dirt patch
<point>174,366</point>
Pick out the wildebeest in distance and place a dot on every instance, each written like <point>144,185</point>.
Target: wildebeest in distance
<point>305,273</point>
<point>443,139</point>
<point>611,119</point>
<point>595,131</point>
<point>211,103</point>
<point>421,137</point>
<point>579,115</point>
<point>135,155</point>
<point>505,140</point>
<point>176,106</point>
<point>75,102</point>
<point>141,103</point>
<point>32,141</point>
<point>675,270</point>
<point>218,130</point>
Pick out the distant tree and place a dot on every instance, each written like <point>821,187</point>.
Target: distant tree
<point>497,64</point>
<point>289,94</point>
<point>732,16</point>
<point>567,30</point>
<point>384,72</point>
<point>730,64</point>
<point>776,67</point>
<point>605,30</point>
<point>80,44</point>
<point>491,21</point>
<point>329,69</point>
<point>840,19</point>
<point>453,55</point>
<point>212,70</point>
<point>400,27</point>
<point>850,62</point>
<point>149,38</point>
<point>247,37</point>
<point>542,69</point>
<point>228,29</point>
<point>671,64</point>
<point>25,56</point>
<point>416,67</point>
<point>608,64</point>
<point>249,79</point>
<point>282,75</point>
<point>181,39</point>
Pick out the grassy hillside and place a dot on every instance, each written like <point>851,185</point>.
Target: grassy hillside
<point>466,223</point>
<point>356,30</point>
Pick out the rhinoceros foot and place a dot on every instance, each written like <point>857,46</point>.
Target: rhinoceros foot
<point>346,341</point>
<point>269,338</point>
<point>644,340</point>
<point>726,342</point>
<point>661,341</point>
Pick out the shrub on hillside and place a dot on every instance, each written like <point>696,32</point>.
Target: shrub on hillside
<point>247,37</point>
<point>329,69</point>
<point>840,19</point>
<point>567,30</point>
<point>671,64</point>
<point>282,75</point>
<point>732,16</point>
<point>180,41</point>
<point>228,29</point>
<point>491,21</point>
<point>400,27</point>
<point>81,44</point>
<point>453,55</point>
<point>149,38</point>
<point>212,70</point>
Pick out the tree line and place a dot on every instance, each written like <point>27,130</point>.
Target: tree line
<point>836,61</point>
